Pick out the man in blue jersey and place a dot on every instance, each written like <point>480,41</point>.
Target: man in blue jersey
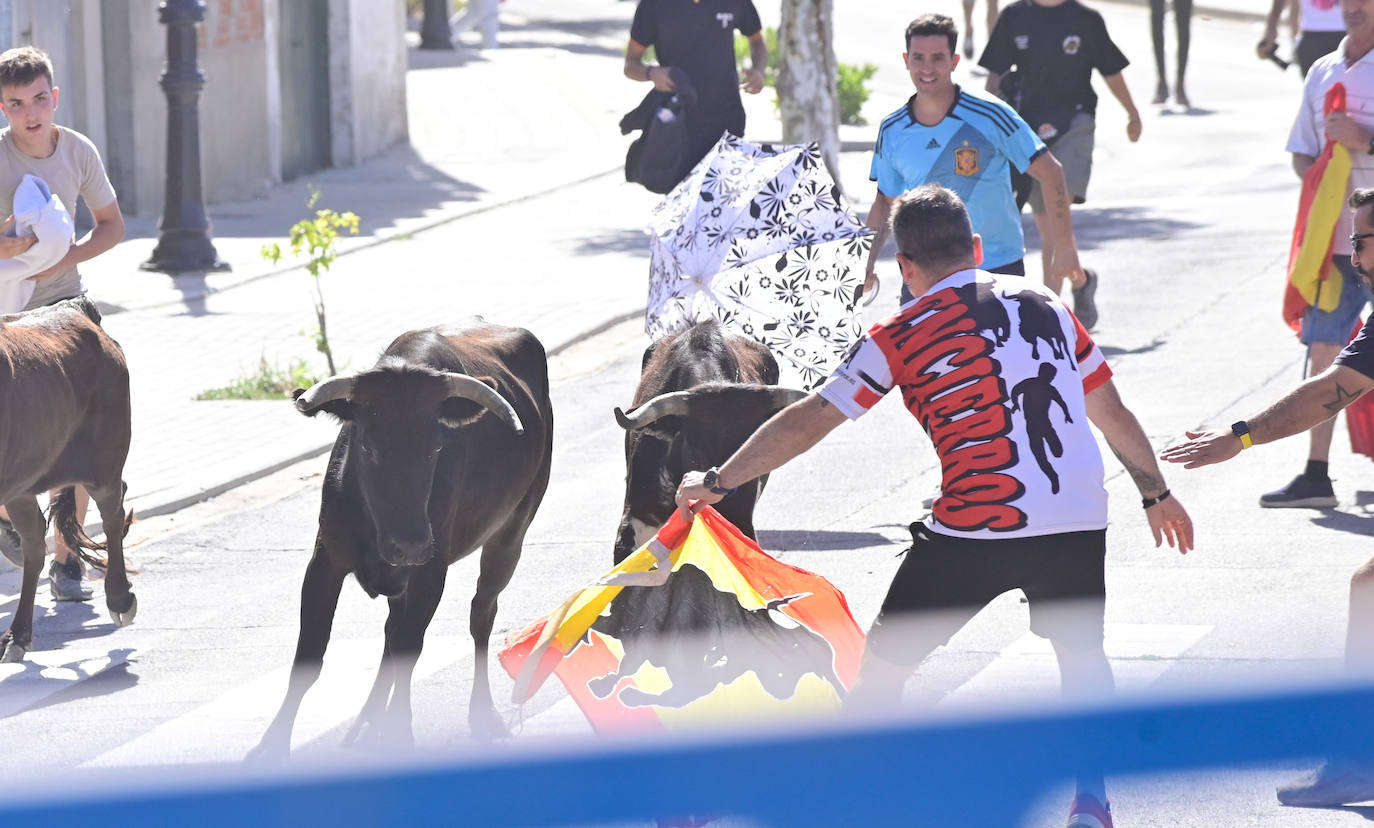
<point>945,135</point>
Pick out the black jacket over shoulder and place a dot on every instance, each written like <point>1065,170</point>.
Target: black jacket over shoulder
<point>657,157</point>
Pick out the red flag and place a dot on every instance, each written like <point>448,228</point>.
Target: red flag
<point>731,633</point>
<point>1319,209</point>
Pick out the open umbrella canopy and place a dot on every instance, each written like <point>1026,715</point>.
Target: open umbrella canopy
<point>760,238</point>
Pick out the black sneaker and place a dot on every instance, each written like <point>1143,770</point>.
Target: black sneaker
<point>9,544</point>
<point>65,581</point>
<point>1083,305</point>
<point>1302,493</point>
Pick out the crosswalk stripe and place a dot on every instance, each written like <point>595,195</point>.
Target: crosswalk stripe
<point>1026,668</point>
<point>228,726</point>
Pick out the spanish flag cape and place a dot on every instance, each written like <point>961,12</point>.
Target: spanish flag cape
<point>698,625</point>
<point>1319,209</point>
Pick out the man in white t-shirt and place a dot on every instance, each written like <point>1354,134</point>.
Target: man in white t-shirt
<point>71,166</point>
<point>1326,332</point>
<point>997,371</point>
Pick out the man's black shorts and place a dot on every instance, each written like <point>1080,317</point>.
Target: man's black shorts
<point>1061,575</point>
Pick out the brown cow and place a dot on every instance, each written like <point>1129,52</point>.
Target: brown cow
<point>64,420</point>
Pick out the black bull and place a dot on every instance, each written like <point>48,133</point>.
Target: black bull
<point>445,447</point>
<point>702,393</point>
<point>703,638</point>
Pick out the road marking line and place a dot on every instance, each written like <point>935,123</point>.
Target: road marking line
<point>227,727</point>
<point>1139,654</point>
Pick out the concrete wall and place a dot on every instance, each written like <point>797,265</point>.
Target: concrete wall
<point>368,62</point>
<point>233,106</point>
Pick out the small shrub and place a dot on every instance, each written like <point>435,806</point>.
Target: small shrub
<point>266,382</point>
<point>852,90</point>
<point>316,239</point>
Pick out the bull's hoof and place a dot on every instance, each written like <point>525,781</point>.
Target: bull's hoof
<point>122,610</point>
<point>487,725</point>
<point>11,652</point>
<point>379,734</point>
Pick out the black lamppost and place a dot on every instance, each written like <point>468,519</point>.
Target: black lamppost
<point>183,243</point>
<point>434,31</point>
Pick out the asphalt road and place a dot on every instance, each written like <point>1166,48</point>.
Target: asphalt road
<point>1189,230</point>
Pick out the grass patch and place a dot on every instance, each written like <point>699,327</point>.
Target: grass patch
<point>266,382</point>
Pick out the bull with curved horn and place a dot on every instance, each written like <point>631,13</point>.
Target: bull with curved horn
<point>444,448</point>
<point>702,393</point>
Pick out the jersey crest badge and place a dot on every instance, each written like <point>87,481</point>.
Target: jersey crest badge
<point>1022,42</point>
<point>1071,44</point>
<point>966,160</point>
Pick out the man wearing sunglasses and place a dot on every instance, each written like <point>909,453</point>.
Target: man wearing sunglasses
<point>1312,403</point>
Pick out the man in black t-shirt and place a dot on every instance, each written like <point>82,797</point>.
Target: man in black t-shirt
<point>1335,782</point>
<point>1054,46</point>
<point>698,37</point>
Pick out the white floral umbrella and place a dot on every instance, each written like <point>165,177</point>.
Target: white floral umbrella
<point>760,238</point>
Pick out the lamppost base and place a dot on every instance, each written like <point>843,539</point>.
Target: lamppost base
<point>192,253</point>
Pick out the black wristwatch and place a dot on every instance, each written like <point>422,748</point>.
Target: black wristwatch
<point>1241,429</point>
<point>711,478</point>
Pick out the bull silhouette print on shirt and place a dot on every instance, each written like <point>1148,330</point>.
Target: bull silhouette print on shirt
<point>1038,320</point>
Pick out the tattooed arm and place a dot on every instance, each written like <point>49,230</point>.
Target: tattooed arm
<point>1168,519</point>
<point>790,432</point>
<point>1312,403</point>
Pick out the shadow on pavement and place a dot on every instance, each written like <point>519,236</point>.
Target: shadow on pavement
<point>783,541</point>
<point>112,680</point>
<point>1113,351</point>
<point>619,241</point>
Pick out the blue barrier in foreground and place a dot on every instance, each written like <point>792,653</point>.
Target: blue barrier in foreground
<point>891,772</point>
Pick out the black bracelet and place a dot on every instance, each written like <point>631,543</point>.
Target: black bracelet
<point>1147,502</point>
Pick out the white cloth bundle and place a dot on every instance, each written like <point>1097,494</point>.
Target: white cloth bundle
<point>38,213</point>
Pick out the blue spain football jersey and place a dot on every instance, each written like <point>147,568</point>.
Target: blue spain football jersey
<point>968,152</point>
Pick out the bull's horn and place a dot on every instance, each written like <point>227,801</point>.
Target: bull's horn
<point>324,391</point>
<point>664,405</point>
<point>462,385</point>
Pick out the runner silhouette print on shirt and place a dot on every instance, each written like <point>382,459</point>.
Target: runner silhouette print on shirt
<point>1032,396</point>
<point>1038,320</point>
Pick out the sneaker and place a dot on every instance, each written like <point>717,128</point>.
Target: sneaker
<point>65,581</point>
<point>1087,812</point>
<point>9,544</point>
<point>1083,305</point>
<point>1302,493</point>
<point>1329,785</point>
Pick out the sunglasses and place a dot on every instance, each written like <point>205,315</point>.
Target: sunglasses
<point>1357,240</point>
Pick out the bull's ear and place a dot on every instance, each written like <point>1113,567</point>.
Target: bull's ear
<point>340,409</point>
<point>456,412</point>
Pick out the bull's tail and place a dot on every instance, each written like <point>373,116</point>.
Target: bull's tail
<point>62,514</point>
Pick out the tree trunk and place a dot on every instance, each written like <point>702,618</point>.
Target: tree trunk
<point>806,78</point>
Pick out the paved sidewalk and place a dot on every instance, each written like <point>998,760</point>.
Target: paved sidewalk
<point>508,202</point>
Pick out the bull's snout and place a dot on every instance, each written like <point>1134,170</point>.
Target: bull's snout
<point>406,551</point>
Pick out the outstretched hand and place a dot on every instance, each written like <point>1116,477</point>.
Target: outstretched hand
<point>1203,448</point>
<point>1169,521</point>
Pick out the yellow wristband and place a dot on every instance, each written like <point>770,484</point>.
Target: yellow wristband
<point>1242,430</point>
